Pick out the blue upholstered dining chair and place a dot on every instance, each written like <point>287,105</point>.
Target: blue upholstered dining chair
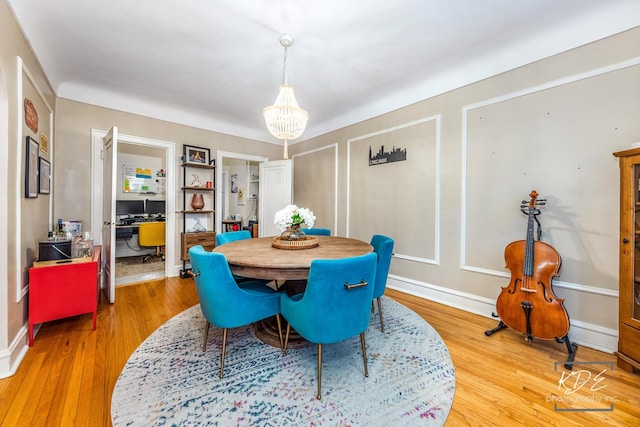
<point>335,304</point>
<point>226,304</point>
<point>315,231</point>
<point>383,247</point>
<point>231,236</point>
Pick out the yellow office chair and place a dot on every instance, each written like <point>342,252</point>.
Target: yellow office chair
<point>152,234</point>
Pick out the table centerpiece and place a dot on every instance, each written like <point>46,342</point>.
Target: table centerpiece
<point>290,221</point>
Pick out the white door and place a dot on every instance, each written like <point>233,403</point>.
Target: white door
<point>275,193</point>
<point>109,164</point>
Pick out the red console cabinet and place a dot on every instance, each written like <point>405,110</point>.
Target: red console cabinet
<point>59,289</point>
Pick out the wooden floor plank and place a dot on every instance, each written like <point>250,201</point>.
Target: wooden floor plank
<point>67,377</point>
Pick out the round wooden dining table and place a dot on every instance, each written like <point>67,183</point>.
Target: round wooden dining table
<point>256,258</point>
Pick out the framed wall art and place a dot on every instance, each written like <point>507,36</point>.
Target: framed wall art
<point>44,176</point>
<point>44,143</point>
<point>195,155</point>
<point>31,169</point>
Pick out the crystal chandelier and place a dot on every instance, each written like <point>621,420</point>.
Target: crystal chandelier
<point>284,119</point>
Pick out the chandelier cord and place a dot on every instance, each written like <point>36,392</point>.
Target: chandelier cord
<point>285,153</point>
<point>284,67</point>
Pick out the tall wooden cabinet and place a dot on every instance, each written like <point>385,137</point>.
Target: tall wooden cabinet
<point>628,353</point>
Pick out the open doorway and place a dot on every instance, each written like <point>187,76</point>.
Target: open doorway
<point>139,202</point>
<point>238,183</point>
<point>147,150</point>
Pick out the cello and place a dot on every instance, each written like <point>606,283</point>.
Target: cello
<point>528,303</point>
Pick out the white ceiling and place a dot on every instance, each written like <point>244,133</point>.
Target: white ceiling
<point>215,64</point>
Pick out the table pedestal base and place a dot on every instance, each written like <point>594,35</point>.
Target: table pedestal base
<point>267,329</point>
<point>267,332</point>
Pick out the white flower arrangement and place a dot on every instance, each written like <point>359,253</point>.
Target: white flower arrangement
<point>292,215</point>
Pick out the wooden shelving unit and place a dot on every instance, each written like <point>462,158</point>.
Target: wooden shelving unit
<point>207,238</point>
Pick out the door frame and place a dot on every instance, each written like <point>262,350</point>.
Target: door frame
<point>170,270</point>
<point>220,156</point>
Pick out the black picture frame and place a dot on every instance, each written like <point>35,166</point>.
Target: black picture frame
<point>31,168</point>
<point>196,155</point>
<point>44,176</point>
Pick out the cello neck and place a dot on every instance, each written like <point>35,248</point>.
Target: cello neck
<point>531,211</point>
<point>527,266</point>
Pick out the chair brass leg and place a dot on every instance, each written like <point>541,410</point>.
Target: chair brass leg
<point>286,340</point>
<point>280,332</point>
<point>224,348</point>
<point>206,336</point>
<point>319,370</point>
<point>380,312</point>
<point>364,354</point>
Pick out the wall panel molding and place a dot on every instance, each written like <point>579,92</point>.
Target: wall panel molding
<point>436,119</point>
<point>333,147</point>
<point>465,191</point>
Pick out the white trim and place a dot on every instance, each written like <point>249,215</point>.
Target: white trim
<point>437,209</point>
<point>556,283</point>
<point>526,91</point>
<point>555,83</point>
<point>220,156</point>
<point>8,365</point>
<point>11,358</point>
<point>335,181</point>
<point>170,196</point>
<point>586,334</point>
<point>416,259</point>
<point>22,68</point>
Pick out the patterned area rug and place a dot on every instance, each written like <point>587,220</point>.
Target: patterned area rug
<point>169,380</point>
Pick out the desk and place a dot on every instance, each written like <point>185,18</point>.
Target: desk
<point>127,239</point>
<point>256,258</point>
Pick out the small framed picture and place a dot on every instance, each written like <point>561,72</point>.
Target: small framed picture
<point>196,155</point>
<point>31,169</point>
<point>44,176</point>
<point>44,143</point>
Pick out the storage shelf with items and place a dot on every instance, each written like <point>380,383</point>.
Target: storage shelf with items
<point>628,353</point>
<point>253,180</point>
<point>198,202</point>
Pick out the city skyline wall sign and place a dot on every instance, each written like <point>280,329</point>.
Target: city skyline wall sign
<point>382,157</point>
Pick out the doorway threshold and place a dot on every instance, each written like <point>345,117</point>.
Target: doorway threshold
<point>135,269</point>
<point>126,280</point>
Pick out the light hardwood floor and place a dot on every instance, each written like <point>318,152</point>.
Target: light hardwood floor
<point>67,377</point>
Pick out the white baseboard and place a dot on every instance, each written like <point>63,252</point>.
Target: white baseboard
<point>582,333</point>
<point>10,358</point>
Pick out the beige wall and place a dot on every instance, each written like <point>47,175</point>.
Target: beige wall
<point>315,184</point>
<point>72,175</point>
<point>473,155</point>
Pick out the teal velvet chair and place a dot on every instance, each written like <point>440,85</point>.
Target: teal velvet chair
<point>335,304</point>
<point>315,231</point>
<point>383,247</point>
<point>226,304</point>
<point>232,236</point>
